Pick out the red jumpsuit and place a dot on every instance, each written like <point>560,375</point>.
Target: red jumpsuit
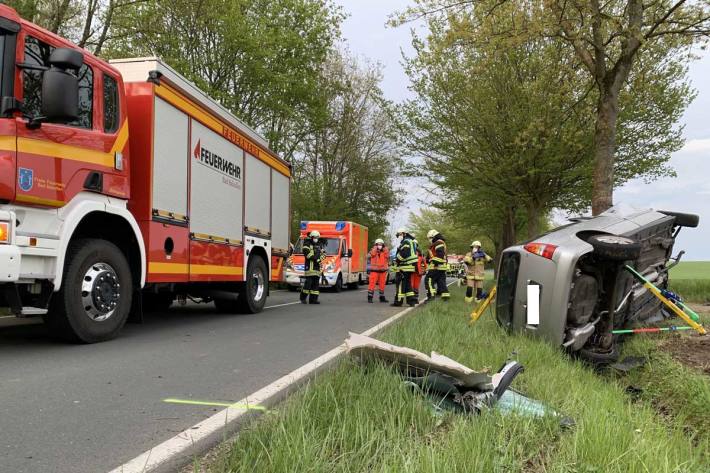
<point>379,266</point>
<point>419,272</point>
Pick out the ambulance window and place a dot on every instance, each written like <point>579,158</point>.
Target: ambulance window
<point>37,54</point>
<point>110,104</point>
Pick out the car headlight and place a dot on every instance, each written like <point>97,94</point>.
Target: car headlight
<point>330,267</point>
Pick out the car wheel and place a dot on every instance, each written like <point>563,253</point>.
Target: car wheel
<point>614,247</point>
<point>252,296</point>
<point>96,294</point>
<point>683,220</point>
<point>338,283</point>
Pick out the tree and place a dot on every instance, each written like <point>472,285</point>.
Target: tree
<point>458,237</point>
<point>501,129</point>
<point>262,59</point>
<point>88,23</point>
<point>344,169</point>
<point>610,40</point>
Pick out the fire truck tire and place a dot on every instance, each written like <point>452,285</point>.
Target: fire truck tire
<point>252,296</point>
<point>95,299</point>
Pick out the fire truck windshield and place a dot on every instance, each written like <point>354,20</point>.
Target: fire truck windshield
<point>331,245</point>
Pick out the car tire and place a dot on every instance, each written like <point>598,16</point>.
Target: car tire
<point>252,295</point>
<point>95,271</point>
<point>614,247</point>
<point>338,286</point>
<point>682,219</point>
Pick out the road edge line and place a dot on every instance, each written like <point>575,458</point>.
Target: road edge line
<point>179,450</point>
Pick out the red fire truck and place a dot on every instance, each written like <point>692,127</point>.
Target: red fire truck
<point>123,186</point>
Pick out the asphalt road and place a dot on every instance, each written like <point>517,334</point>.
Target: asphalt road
<point>89,408</point>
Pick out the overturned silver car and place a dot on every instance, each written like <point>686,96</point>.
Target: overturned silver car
<point>569,286</point>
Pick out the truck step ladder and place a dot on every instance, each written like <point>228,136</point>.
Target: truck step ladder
<point>31,312</point>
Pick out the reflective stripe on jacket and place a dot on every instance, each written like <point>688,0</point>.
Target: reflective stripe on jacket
<point>407,255</point>
<point>314,257</point>
<point>437,255</point>
<point>476,265</point>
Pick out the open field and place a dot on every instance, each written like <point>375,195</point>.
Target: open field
<point>363,419</point>
<point>691,279</point>
<point>691,270</point>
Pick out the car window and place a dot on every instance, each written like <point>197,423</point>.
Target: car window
<point>37,57</point>
<point>111,111</point>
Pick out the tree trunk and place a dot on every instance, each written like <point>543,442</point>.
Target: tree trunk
<point>604,147</point>
<point>533,220</point>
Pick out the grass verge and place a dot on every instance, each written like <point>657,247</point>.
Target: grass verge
<point>362,418</point>
<point>692,290</point>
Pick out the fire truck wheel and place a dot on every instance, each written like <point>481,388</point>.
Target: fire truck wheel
<point>252,296</point>
<point>96,294</point>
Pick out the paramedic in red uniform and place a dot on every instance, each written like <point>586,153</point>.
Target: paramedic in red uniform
<point>379,266</point>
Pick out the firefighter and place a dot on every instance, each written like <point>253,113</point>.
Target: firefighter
<point>314,256</point>
<point>405,262</point>
<point>435,280</point>
<point>420,271</point>
<point>379,266</point>
<point>475,271</point>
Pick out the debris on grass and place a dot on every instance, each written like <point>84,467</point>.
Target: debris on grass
<point>448,384</point>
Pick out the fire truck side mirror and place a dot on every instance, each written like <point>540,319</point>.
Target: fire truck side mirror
<point>350,253</point>
<point>60,88</point>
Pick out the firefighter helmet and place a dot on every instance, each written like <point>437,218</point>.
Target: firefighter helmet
<point>401,231</point>
<point>314,234</point>
<point>379,241</point>
<point>432,233</point>
<point>476,243</point>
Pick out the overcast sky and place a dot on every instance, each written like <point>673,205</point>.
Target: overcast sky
<point>367,36</point>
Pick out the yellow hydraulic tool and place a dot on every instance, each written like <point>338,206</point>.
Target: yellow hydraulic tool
<point>478,311</point>
<point>676,310</point>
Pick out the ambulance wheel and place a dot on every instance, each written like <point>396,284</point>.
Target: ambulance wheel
<point>252,296</point>
<point>338,287</point>
<point>96,294</point>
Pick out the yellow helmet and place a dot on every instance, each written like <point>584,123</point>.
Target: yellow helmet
<point>476,243</point>
<point>432,233</point>
<point>314,234</point>
<point>379,241</point>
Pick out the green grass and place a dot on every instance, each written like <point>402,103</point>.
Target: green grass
<point>356,419</point>
<point>692,290</point>
<point>691,270</point>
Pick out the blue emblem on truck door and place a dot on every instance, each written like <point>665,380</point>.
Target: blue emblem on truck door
<point>25,179</point>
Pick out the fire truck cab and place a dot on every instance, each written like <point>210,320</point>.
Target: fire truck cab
<point>122,186</point>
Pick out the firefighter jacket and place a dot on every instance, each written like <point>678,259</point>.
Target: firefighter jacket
<point>406,255</point>
<point>475,265</point>
<point>314,256</point>
<point>379,260</point>
<point>437,254</point>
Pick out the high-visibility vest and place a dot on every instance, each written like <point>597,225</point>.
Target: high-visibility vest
<point>407,255</point>
<point>314,257</point>
<point>437,256</point>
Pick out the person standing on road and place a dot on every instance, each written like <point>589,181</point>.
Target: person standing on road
<point>405,262</point>
<point>435,280</point>
<point>475,271</point>
<point>419,271</point>
<point>379,266</point>
<point>314,256</point>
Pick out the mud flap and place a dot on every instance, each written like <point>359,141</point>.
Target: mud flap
<point>135,316</point>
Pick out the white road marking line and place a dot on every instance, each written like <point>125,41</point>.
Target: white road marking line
<point>178,450</point>
<point>281,305</point>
